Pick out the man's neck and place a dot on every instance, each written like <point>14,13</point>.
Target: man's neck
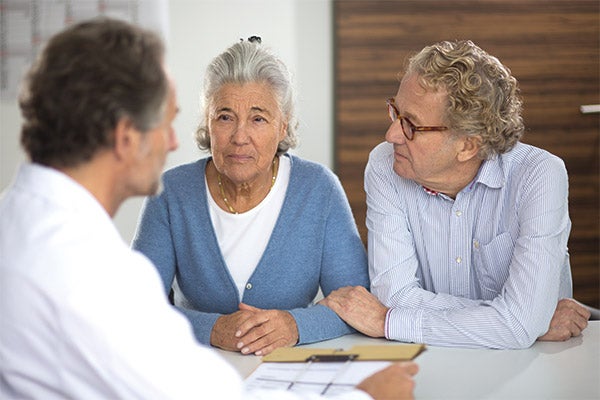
<point>457,180</point>
<point>100,178</point>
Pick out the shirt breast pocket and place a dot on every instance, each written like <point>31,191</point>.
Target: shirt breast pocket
<point>492,263</point>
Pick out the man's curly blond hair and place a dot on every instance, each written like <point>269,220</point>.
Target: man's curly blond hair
<point>483,97</point>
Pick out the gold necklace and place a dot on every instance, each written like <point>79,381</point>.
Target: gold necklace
<point>229,206</point>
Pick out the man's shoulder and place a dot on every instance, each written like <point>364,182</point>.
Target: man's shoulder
<point>525,157</point>
<point>383,152</point>
<point>381,162</point>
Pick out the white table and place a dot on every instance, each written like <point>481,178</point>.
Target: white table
<point>548,370</point>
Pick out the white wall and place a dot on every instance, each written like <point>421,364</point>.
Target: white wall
<point>299,31</point>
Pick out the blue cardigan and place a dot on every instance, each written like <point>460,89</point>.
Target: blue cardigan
<point>314,243</point>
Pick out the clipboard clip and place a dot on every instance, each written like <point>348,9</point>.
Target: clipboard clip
<point>331,357</point>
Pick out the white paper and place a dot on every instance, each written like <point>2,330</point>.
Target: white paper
<point>326,378</point>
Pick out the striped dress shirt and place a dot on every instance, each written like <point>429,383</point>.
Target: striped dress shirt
<point>483,270</point>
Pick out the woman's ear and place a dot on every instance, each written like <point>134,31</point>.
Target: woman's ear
<point>283,133</point>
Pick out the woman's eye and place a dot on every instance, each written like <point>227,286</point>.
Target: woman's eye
<point>259,119</point>
<point>224,117</point>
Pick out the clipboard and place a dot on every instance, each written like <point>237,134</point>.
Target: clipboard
<point>326,371</point>
<point>400,352</point>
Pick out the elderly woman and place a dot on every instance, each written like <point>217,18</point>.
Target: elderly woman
<point>245,237</point>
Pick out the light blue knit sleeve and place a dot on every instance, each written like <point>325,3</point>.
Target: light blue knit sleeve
<point>343,263</point>
<point>153,239</point>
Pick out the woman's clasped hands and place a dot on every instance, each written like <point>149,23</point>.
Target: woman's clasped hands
<point>252,330</point>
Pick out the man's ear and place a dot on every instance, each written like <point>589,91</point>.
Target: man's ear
<point>125,139</point>
<point>470,148</point>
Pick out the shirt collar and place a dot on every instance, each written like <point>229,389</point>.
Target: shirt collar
<point>58,188</point>
<point>490,174</point>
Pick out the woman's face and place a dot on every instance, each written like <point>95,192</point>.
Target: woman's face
<point>245,127</point>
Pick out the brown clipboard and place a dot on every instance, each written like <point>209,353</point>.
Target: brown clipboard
<point>391,352</point>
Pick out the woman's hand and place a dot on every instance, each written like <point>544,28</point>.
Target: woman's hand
<point>223,332</point>
<point>265,330</point>
<point>256,331</point>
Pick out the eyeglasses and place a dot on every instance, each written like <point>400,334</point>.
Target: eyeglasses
<point>408,128</point>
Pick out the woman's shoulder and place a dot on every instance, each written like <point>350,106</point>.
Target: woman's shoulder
<point>184,172</point>
<point>304,169</point>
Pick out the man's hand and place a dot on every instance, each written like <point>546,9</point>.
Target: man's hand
<point>569,319</point>
<point>359,308</point>
<point>394,382</point>
<point>265,330</point>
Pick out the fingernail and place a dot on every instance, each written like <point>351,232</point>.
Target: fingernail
<point>245,350</point>
<point>238,334</point>
<point>240,345</point>
<point>258,353</point>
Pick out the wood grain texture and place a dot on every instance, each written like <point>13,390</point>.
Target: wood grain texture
<point>552,48</point>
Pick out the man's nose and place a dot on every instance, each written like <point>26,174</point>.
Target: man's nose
<point>395,134</point>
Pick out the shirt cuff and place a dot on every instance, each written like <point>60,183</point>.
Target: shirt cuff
<point>405,325</point>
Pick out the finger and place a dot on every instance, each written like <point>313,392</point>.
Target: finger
<point>410,367</point>
<point>266,345</point>
<point>559,333</point>
<point>251,322</point>
<point>279,337</point>
<point>575,328</point>
<point>581,323</point>
<point>269,349</point>
<point>252,335</point>
<point>577,306</point>
<point>583,311</point>
<point>255,340</point>
<point>340,292</point>
<point>248,307</point>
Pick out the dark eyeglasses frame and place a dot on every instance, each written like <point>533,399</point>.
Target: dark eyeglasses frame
<point>406,124</point>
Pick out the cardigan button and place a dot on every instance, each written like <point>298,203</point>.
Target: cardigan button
<point>248,286</point>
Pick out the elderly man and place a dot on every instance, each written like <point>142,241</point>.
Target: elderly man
<point>468,226</point>
<point>84,316</point>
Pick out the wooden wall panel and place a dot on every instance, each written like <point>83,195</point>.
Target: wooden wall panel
<point>552,47</point>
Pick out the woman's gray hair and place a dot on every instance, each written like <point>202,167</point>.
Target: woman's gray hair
<point>483,97</point>
<point>247,62</point>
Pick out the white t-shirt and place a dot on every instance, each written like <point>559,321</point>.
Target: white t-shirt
<point>243,237</point>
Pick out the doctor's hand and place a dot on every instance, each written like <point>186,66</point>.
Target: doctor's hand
<point>265,330</point>
<point>359,308</point>
<point>569,319</point>
<point>393,382</point>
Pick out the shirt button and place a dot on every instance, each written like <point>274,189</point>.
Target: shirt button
<point>458,260</point>
<point>248,286</point>
<point>458,213</point>
<point>476,244</point>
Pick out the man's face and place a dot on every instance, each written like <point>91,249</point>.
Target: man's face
<point>155,146</point>
<point>430,157</point>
